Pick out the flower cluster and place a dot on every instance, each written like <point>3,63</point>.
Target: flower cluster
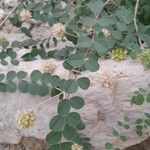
<point>106,32</point>
<point>25,15</point>
<point>108,79</point>
<point>58,30</point>
<point>76,147</point>
<point>144,57</point>
<point>119,54</point>
<point>2,39</point>
<point>49,66</point>
<point>26,119</point>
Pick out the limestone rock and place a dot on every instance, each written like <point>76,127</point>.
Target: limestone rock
<point>10,3</point>
<point>2,14</point>
<point>104,106</point>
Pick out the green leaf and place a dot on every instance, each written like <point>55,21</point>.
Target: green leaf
<point>53,138</point>
<point>11,75</point>
<point>14,62</point>
<point>4,63</point>
<point>21,75</point>
<point>126,126</point>
<point>35,75</point>
<point>137,99</point>
<point>101,46</point>
<point>73,119</point>
<point>139,132</point>
<point>139,127</point>
<point>36,15</point>
<point>44,17</point>
<point>71,86</point>
<point>47,8</point>
<point>3,55</point>
<point>85,41</point>
<point>125,15</point>
<point>43,90</point>
<point>66,145</point>
<point>33,88</point>
<point>39,6</point>
<point>55,80</point>
<point>72,36</point>
<point>117,35</point>
<point>77,102</point>
<point>11,87</point>
<point>123,138</point>
<point>75,60</point>
<point>46,78</point>
<point>89,21</point>
<point>105,21</point>
<point>57,123</point>
<point>120,123</point>
<point>5,44</point>
<point>92,65</point>
<point>11,53</point>
<point>84,83</point>
<point>55,92</point>
<point>3,87</point>
<point>65,17</point>
<point>148,98</point>
<point>81,126</point>
<point>122,26</point>
<point>23,86</point>
<point>16,44</point>
<point>108,146</point>
<point>115,133</point>
<point>126,119</point>
<point>64,107</point>
<point>55,147</point>
<point>147,115</point>
<point>147,122</point>
<point>139,121</point>
<point>26,31</point>
<point>67,66</point>
<point>69,133</point>
<point>96,6</point>
<point>2,76</point>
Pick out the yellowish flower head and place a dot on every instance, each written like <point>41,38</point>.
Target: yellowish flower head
<point>58,30</point>
<point>108,79</point>
<point>49,66</point>
<point>26,119</point>
<point>144,57</point>
<point>119,54</point>
<point>25,15</point>
<point>2,39</point>
<point>76,147</point>
<point>106,32</point>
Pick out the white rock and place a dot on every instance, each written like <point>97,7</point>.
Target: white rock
<point>104,106</point>
<point>2,13</point>
<point>10,3</point>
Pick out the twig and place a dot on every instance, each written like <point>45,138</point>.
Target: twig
<point>135,23</point>
<point>7,17</point>
<point>39,104</point>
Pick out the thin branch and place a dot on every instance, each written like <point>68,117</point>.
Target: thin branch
<point>7,17</point>
<point>39,104</point>
<point>135,23</point>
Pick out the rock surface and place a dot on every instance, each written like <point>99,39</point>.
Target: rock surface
<point>104,106</point>
<point>2,14</point>
<point>10,3</point>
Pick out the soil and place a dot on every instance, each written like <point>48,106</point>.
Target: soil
<point>37,144</point>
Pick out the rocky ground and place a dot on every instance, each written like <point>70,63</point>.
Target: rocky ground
<point>27,143</point>
<point>37,144</point>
